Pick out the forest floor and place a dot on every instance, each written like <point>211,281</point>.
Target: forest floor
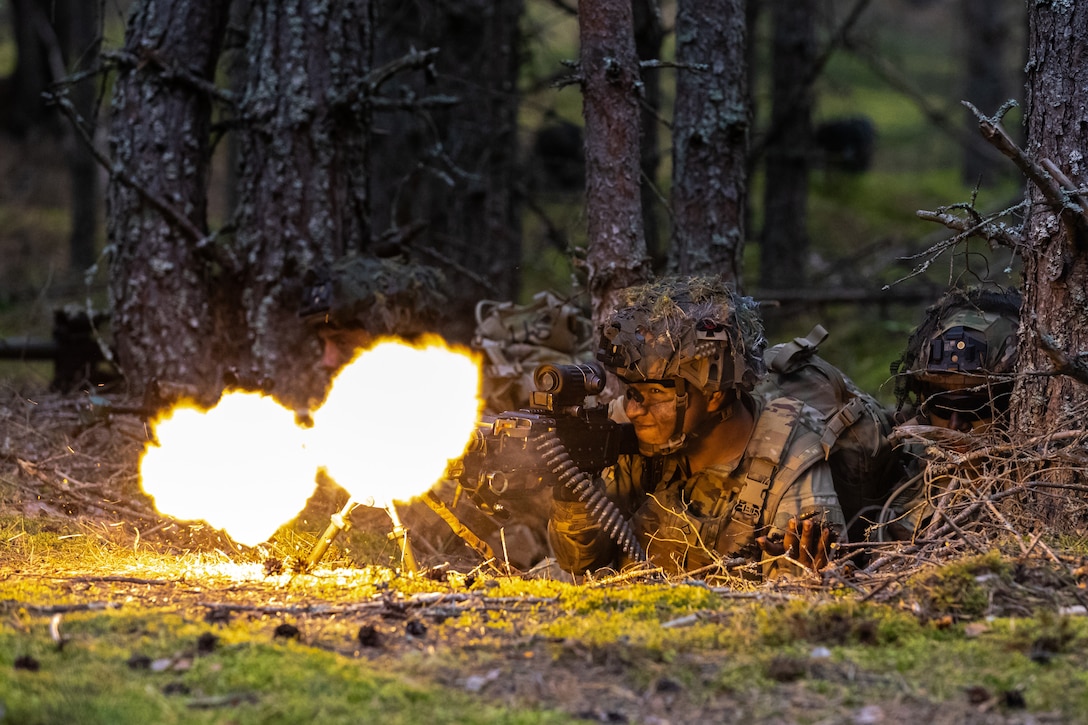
<point>111,612</point>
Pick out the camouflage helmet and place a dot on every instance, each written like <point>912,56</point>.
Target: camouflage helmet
<point>968,339</point>
<point>695,329</point>
<point>384,296</point>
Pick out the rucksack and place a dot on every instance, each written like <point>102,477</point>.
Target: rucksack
<point>516,339</point>
<point>853,425</point>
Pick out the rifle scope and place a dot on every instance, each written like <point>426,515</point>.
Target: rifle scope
<point>569,384</point>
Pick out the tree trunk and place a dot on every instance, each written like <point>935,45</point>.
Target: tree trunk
<point>1055,261</point>
<point>156,202</point>
<point>710,138</point>
<point>304,180</point>
<point>452,169</point>
<point>987,32</point>
<point>34,41</point>
<point>610,89</point>
<point>784,242</point>
<point>81,42</point>
<point>649,35</point>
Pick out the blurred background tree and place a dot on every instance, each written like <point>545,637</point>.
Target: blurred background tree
<point>476,161</point>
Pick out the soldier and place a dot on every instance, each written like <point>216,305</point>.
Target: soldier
<point>720,474</point>
<point>956,373</point>
<point>358,299</point>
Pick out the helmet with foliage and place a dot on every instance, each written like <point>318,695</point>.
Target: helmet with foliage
<point>384,296</point>
<point>967,340</point>
<point>685,331</point>
<point>695,329</point>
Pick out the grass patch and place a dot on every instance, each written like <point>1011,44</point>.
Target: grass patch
<point>153,636</point>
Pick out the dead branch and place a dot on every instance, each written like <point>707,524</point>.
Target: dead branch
<point>461,601</point>
<point>66,608</point>
<point>124,580</point>
<point>1058,190</point>
<point>170,72</point>
<point>984,228</point>
<point>979,495</point>
<point>117,172</point>
<point>839,295</point>
<point>365,89</point>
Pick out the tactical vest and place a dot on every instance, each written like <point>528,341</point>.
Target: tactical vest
<point>853,426</point>
<point>683,536</point>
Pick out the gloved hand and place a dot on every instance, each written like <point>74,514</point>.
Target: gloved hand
<point>806,541</point>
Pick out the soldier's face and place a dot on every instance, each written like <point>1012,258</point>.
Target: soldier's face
<point>651,408</point>
<point>340,345</point>
<point>962,412</point>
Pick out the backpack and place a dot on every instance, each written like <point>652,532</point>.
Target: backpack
<point>853,425</point>
<point>516,339</point>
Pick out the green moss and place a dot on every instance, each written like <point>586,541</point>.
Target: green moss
<point>92,681</point>
<point>845,622</point>
<point>962,589</point>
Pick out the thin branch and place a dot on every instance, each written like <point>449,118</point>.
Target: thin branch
<point>367,87</point>
<point>1058,190</point>
<point>116,171</point>
<point>982,228</point>
<point>171,72</point>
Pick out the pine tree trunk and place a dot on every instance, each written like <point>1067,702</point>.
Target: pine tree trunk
<point>159,141</point>
<point>610,89</point>
<point>649,36</point>
<point>987,32</point>
<point>710,138</point>
<point>304,161</point>
<point>784,241</point>
<point>1055,261</point>
<point>81,41</point>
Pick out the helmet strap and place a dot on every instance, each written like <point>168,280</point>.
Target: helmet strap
<point>724,413</point>
<point>679,438</point>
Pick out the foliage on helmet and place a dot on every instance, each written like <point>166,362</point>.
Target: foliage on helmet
<point>384,296</point>
<point>968,338</point>
<point>693,328</point>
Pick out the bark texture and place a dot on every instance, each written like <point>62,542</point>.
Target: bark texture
<point>710,138</point>
<point>304,179</point>
<point>1055,294</point>
<point>611,88</point>
<point>159,144</point>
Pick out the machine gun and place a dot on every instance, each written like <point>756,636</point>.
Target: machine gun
<point>559,440</point>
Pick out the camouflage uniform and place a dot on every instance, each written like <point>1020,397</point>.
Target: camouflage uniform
<point>686,522</point>
<point>698,333</point>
